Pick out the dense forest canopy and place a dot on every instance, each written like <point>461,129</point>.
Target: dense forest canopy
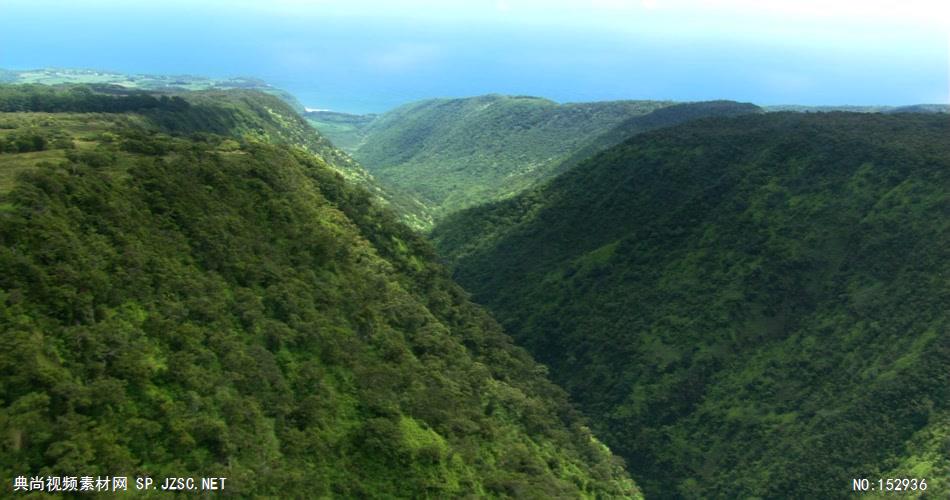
<point>741,302</point>
<point>226,112</point>
<point>190,289</point>
<point>746,307</point>
<point>456,153</point>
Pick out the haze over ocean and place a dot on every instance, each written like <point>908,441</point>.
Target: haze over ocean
<point>372,56</point>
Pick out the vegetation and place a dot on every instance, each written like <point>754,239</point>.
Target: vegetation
<point>242,113</point>
<point>753,307</point>
<point>223,304</point>
<point>150,83</point>
<point>455,153</point>
<point>660,118</point>
<point>921,108</point>
<point>344,130</point>
<point>915,108</point>
<point>24,143</point>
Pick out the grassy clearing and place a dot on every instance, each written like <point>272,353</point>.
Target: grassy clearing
<point>13,164</point>
<point>82,132</point>
<point>345,136</point>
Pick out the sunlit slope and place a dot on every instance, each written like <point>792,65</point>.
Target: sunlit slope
<point>747,307</point>
<point>237,113</point>
<point>228,305</point>
<point>346,131</point>
<point>456,153</point>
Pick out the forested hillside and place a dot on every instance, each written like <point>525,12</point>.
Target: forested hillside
<point>660,118</point>
<point>187,289</point>
<point>914,108</point>
<point>754,307</point>
<point>455,153</point>
<point>346,131</point>
<point>150,83</point>
<point>231,112</point>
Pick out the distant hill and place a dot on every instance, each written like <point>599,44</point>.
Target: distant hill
<point>455,153</point>
<point>751,307</point>
<point>346,131</point>
<point>153,83</point>
<point>916,108</point>
<point>237,111</point>
<point>189,288</point>
<point>664,117</point>
<point>922,108</point>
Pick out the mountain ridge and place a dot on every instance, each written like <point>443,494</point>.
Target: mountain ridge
<point>184,291</point>
<point>456,153</point>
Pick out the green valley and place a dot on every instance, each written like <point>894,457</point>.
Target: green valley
<point>748,307</point>
<point>189,286</point>
<point>346,131</point>
<point>456,153</point>
<point>513,249</point>
<point>741,302</point>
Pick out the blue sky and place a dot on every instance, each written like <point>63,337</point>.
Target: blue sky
<point>370,56</point>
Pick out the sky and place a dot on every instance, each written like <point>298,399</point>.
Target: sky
<point>370,56</point>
